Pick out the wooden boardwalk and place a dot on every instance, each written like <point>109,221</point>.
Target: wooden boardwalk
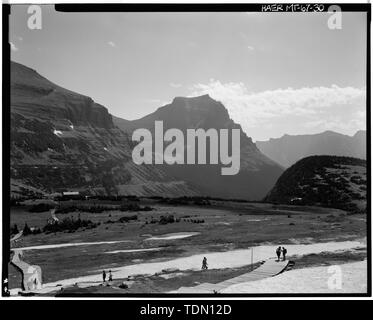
<point>270,268</point>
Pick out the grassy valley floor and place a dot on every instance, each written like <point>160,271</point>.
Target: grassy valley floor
<point>221,227</point>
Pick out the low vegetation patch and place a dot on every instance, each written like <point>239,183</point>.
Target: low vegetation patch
<point>324,181</point>
<point>102,208</point>
<point>170,218</point>
<point>127,219</point>
<point>25,231</point>
<point>69,224</point>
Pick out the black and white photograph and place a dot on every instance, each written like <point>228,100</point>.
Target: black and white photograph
<point>186,150</point>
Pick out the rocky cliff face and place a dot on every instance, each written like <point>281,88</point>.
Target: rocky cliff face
<point>61,140</point>
<point>34,96</point>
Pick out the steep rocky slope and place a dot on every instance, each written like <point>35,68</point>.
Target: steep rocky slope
<point>331,181</point>
<point>61,140</point>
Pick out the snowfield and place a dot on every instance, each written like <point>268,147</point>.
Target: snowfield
<point>173,236</point>
<point>310,280</point>
<point>216,260</point>
<point>133,250</point>
<point>64,245</point>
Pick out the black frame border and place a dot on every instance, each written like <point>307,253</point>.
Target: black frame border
<point>171,7</point>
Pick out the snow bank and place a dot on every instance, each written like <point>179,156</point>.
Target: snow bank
<point>58,133</point>
<point>173,236</point>
<point>73,244</point>
<point>216,260</point>
<point>134,250</point>
<point>310,280</point>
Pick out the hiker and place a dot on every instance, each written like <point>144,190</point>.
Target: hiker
<point>104,275</point>
<point>110,276</point>
<point>284,252</point>
<point>204,263</point>
<point>278,253</point>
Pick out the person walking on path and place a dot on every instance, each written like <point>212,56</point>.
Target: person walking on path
<point>284,252</point>
<point>204,263</point>
<point>110,276</point>
<point>278,253</point>
<point>104,275</point>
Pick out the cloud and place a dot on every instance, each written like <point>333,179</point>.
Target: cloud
<point>20,38</point>
<point>175,85</point>
<point>289,110</point>
<point>250,48</point>
<point>111,44</point>
<point>13,47</point>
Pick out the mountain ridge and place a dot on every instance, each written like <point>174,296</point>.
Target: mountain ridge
<point>62,140</point>
<point>46,98</point>
<point>288,149</point>
<point>329,181</point>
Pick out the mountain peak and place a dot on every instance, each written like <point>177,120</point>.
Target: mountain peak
<point>330,132</point>
<point>360,133</point>
<point>198,100</point>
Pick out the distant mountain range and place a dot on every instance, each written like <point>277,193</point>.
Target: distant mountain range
<point>328,181</point>
<point>62,140</point>
<point>290,148</point>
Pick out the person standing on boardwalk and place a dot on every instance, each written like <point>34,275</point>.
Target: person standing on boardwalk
<point>204,263</point>
<point>278,253</point>
<point>104,275</point>
<point>284,252</point>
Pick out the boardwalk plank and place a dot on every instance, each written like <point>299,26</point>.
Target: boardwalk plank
<point>268,269</point>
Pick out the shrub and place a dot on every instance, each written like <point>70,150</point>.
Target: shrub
<point>102,208</point>
<point>127,219</point>
<point>14,229</point>
<point>69,224</point>
<point>166,219</point>
<point>26,230</point>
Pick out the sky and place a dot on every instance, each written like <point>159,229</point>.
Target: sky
<point>276,73</point>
